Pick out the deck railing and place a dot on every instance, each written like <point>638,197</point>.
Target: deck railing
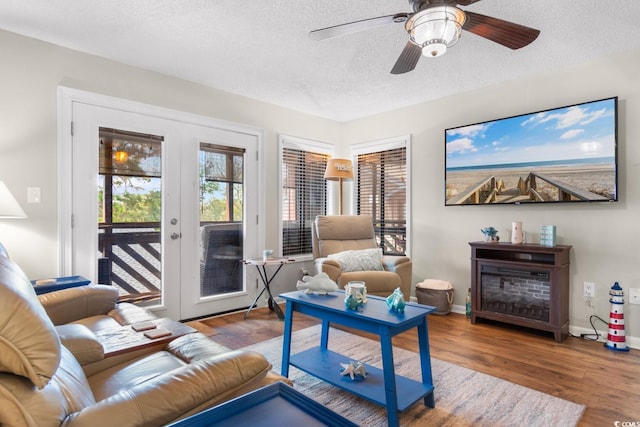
<point>131,259</point>
<point>392,237</point>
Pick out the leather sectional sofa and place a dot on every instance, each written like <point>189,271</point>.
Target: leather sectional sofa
<point>53,371</point>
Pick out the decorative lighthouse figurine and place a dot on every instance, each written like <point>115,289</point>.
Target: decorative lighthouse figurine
<point>616,339</point>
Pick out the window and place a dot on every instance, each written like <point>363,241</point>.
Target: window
<point>304,191</point>
<point>221,186</point>
<point>382,191</point>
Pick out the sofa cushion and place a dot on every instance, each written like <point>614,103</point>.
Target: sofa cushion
<point>68,305</point>
<point>124,377</point>
<point>80,341</point>
<point>359,260</point>
<point>126,313</point>
<point>194,347</point>
<point>21,404</point>
<point>36,354</point>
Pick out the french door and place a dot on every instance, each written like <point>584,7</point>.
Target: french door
<point>159,209</point>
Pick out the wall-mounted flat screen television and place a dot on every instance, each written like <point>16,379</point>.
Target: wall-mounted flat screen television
<point>566,154</point>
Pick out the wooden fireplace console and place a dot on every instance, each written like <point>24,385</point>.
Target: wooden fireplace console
<point>549,264</point>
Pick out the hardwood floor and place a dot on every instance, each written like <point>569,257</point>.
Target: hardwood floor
<point>582,371</point>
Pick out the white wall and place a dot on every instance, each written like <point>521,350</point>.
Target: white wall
<point>604,237</point>
<point>30,74</point>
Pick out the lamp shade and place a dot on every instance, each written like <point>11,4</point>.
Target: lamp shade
<point>9,207</point>
<point>436,28</point>
<point>339,169</point>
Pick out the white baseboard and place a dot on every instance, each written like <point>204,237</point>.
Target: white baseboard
<point>632,342</point>
<point>460,309</point>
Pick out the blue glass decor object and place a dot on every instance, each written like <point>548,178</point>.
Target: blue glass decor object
<point>352,302</point>
<point>356,370</point>
<point>396,302</point>
<point>490,234</point>
<point>548,235</point>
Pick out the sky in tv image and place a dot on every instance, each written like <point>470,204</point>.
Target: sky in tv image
<point>579,134</point>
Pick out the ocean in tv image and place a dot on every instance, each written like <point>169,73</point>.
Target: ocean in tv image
<point>567,154</point>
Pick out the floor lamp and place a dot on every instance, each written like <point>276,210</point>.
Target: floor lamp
<point>339,170</point>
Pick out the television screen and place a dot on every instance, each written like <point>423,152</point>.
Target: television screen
<point>566,154</point>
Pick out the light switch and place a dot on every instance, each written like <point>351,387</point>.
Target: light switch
<point>33,195</point>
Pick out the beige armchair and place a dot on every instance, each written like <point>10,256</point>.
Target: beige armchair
<point>334,236</point>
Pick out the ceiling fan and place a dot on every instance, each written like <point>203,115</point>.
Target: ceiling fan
<point>434,26</point>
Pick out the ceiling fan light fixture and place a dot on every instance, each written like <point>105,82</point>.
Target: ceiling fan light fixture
<point>435,29</point>
<point>434,48</point>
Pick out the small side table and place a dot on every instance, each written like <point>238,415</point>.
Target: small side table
<point>59,283</point>
<point>261,266</point>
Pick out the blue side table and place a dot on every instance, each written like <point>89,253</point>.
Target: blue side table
<point>382,386</point>
<point>60,283</point>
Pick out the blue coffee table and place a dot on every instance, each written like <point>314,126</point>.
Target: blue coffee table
<point>274,405</point>
<point>382,386</point>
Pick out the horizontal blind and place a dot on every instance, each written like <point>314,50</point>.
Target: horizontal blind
<point>382,193</point>
<point>143,156</point>
<point>304,196</point>
<point>220,163</point>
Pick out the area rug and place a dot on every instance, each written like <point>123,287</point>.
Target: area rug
<point>463,397</point>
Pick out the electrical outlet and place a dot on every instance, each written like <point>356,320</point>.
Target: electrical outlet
<point>634,296</point>
<point>589,289</point>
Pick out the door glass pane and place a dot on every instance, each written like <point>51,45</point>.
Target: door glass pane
<point>130,206</point>
<point>221,219</point>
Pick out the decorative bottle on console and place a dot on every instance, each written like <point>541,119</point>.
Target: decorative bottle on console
<point>468,304</point>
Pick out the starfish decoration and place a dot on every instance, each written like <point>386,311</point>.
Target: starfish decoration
<point>354,369</point>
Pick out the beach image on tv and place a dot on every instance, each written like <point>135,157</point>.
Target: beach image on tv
<point>566,154</point>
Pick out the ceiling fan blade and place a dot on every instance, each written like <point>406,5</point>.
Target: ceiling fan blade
<point>408,59</point>
<point>513,36</point>
<point>466,2</point>
<point>354,27</point>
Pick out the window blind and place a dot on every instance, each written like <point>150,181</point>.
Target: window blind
<point>304,196</point>
<point>382,193</point>
<point>143,153</point>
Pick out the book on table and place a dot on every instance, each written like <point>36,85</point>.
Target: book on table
<point>157,333</point>
<point>143,326</point>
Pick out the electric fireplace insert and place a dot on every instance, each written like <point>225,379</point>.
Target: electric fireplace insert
<point>525,285</point>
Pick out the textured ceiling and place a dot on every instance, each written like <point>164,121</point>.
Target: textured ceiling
<point>261,49</point>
